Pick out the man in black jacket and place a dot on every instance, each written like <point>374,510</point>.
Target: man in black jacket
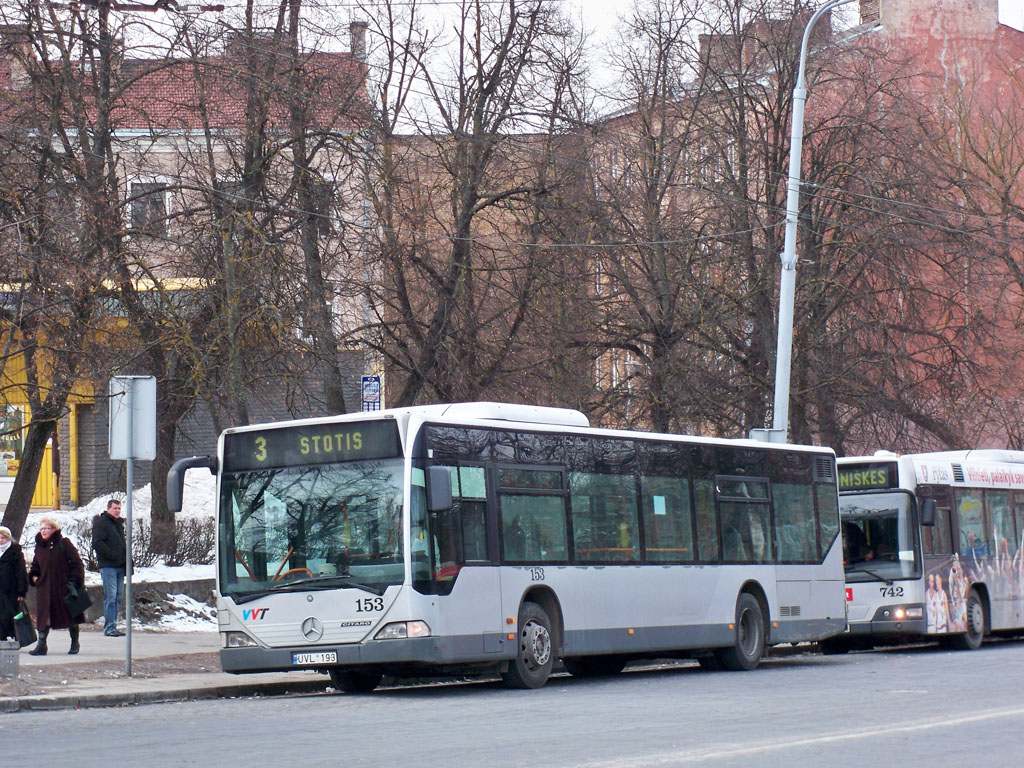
<point>108,541</point>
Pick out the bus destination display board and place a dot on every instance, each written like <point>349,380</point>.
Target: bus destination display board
<point>867,477</point>
<point>310,444</point>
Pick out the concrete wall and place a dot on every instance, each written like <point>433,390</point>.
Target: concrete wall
<point>144,594</point>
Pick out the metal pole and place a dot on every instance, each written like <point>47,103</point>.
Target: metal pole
<point>787,280</point>
<point>128,536</point>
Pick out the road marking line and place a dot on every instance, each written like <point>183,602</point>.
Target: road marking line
<point>702,755</point>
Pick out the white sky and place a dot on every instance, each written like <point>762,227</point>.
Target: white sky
<point>1011,13</point>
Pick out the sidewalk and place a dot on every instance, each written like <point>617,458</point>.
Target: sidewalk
<point>166,666</point>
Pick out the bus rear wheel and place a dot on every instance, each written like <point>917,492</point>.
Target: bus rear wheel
<point>594,666</point>
<point>971,639</point>
<point>748,636</point>
<point>535,651</point>
<point>354,681</point>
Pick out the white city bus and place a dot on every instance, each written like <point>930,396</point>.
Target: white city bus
<point>932,547</point>
<point>493,537</point>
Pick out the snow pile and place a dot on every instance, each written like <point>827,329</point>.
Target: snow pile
<point>183,614</point>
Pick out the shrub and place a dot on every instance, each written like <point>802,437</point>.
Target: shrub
<point>194,542</point>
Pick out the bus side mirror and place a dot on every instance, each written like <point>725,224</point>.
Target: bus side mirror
<point>928,513</point>
<point>176,478</point>
<point>439,489</point>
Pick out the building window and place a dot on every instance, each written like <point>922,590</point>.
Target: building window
<point>149,208</point>
<point>323,208</point>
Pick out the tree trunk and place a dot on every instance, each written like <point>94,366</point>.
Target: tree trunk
<point>163,534</point>
<point>18,506</point>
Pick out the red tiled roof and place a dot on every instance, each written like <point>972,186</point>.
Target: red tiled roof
<point>172,94</point>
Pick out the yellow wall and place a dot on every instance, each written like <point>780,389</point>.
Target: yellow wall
<point>46,486</point>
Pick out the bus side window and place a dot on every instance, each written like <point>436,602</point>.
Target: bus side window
<point>469,491</point>
<point>707,520</point>
<point>936,538</point>
<point>604,517</point>
<point>971,522</point>
<point>668,522</point>
<point>1000,518</point>
<point>533,528</point>
<point>794,520</point>
<point>1018,514</point>
<point>828,516</point>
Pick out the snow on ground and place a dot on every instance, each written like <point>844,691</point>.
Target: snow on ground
<point>198,502</point>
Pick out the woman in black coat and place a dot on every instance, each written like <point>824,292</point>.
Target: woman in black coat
<point>13,582</point>
<point>55,563</point>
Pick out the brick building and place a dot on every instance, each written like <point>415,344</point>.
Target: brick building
<point>179,129</point>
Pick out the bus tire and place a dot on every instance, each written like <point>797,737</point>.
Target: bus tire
<point>353,680</point>
<point>748,636</point>
<point>535,650</point>
<point>971,639</point>
<point>594,666</point>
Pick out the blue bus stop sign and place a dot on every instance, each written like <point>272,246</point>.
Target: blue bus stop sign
<point>371,393</point>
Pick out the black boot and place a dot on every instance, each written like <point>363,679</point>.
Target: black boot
<point>40,649</point>
<point>74,640</point>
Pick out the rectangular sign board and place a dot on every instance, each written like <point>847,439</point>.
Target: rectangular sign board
<point>132,417</point>
<point>372,395</point>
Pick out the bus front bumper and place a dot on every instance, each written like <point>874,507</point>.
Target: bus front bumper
<point>892,620</point>
<point>420,651</point>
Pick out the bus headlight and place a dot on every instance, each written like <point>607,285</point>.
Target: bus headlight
<point>402,630</point>
<point>238,640</point>
<point>914,612</point>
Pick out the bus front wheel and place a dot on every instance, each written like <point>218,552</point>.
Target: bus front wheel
<point>971,639</point>
<point>748,636</point>
<point>535,651</point>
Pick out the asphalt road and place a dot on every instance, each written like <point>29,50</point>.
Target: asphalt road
<point>913,707</point>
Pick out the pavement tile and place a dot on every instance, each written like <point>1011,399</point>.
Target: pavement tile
<point>180,666</point>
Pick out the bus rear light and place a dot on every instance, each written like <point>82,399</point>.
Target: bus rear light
<point>400,630</point>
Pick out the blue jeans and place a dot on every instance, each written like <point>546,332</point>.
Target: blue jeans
<point>113,594</point>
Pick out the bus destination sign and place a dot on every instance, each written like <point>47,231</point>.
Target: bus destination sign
<point>310,444</point>
<point>867,477</point>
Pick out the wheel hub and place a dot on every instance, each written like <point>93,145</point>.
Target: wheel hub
<point>537,644</point>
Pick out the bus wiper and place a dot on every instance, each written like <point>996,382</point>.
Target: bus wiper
<point>291,585</point>
<point>248,596</point>
<point>878,576</point>
<point>322,582</point>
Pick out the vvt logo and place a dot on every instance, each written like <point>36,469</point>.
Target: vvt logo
<point>256,614</point>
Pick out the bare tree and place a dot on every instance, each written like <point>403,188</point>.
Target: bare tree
<point>461,157</point>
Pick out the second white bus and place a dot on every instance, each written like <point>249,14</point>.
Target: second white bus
<point>933,547</point>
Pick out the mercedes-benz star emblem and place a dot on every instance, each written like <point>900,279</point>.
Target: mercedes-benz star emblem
<point>312,629</point>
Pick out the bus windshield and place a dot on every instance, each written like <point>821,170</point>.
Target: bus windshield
<point>878,537</point>
<point>308,527</point>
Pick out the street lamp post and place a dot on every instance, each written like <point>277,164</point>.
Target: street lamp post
<point>779,432</point>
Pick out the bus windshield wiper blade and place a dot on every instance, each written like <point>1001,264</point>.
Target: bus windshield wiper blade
<point>877,575</point>
<point>323,582</point>
<point>248,596</point>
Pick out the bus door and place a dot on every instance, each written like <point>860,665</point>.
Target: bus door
<point>463,558</point>
<point>531,523</point>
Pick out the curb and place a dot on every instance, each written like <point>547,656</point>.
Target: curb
<point>44,702</point>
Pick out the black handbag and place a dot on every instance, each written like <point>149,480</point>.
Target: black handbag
<point>77,599</point>
<point>23,629</point>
